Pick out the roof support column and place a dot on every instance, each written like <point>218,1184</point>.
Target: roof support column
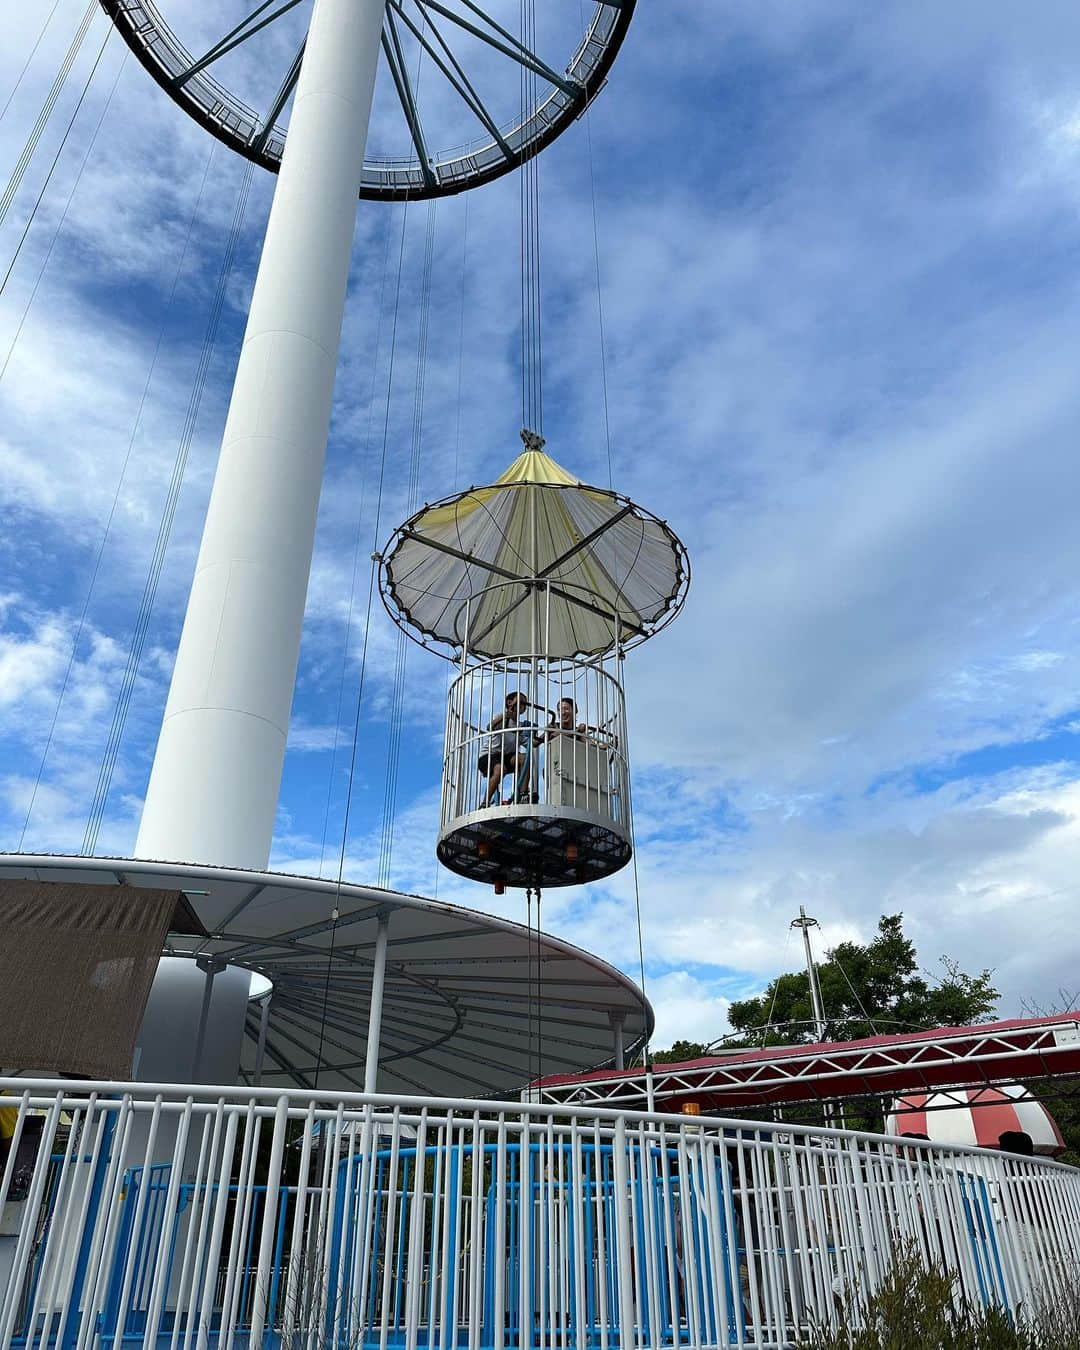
<point>214,787</point>
<point>378,983</point>
<point>617,1032</point>
<point>260,1051</point>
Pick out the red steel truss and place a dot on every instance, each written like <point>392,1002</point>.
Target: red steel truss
<point>1022,1050</point>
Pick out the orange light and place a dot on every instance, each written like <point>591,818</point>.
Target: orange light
<point>483,849</point>
<point>690,1108</point>
<point>571,851</point>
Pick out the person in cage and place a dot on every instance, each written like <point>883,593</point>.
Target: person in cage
<point>563,725</point>
<point>506,749</point>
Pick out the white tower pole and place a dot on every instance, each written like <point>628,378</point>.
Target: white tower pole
<point>217,772</point>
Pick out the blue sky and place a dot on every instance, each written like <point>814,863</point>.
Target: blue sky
<point>838,252</point>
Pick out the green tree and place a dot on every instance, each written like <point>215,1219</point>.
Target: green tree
<point>680,1052</point>
<point>866,989</point>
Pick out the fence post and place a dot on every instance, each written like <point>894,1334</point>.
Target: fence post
<point>866,1223</point>
<point>269,1223</point>
<point>96,1185</point>
<point>622,1235</point>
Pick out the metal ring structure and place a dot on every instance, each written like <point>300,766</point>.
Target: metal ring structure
<point>561,96</point>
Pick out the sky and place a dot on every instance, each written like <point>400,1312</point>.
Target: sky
<point>837,253</point>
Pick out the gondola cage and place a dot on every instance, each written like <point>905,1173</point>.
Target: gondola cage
<point>535,586</point>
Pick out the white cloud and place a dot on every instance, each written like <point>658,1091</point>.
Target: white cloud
<point>837,253</point>
<point>686,1009</point>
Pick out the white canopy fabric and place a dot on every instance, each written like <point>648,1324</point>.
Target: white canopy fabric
<point>611,573</point>
<point>462,1005</point>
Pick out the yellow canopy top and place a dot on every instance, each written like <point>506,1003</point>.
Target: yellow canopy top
<point>602,571</point>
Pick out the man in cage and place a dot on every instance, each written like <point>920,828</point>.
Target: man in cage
<point>506,750</point>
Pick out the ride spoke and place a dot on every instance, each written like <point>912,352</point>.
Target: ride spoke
<point>395,59</point>
<point>512,47</point>
<point>288,84</point>
<point>235,37</point>
<point>456,78</point>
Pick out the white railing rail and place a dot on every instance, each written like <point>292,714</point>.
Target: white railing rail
<point>232,1216</point>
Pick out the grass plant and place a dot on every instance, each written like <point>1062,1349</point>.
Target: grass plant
<point>916,1308</point>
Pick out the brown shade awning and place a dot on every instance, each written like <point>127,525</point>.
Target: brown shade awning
<point>76,965</point>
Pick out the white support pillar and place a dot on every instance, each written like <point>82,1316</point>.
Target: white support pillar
<point>217,771</point>
<point>374,1027</point>
<point>617,1019</point>
<point>260,1049</point>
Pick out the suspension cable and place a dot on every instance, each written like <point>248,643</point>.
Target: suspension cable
<point>646,1049</point>
<point>539,994</point>
<point>26,64</point>
<point>375,536</point>
<point>457,438</point>
<point>351,778</point>
<point>13,186</point>
<point>36,132</point>
<point>854,995</point>
<point>393,754</point>
<point>587,119</point>
<point>461,343</point>
<point>531,1025</point>
<point>776,989</point>
<point>168,515</point>
<point>358,536</point>
<point>63,215</point>
<point>115,504</point>
<point>532,390</point>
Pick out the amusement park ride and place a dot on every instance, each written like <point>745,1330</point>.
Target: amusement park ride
<point>309,1168</point>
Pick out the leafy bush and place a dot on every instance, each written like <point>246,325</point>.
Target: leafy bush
<point>920,1309</point>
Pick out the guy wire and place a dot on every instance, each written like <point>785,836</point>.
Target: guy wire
<point>113,508</point>
<point>63,215</point>
<point>26,64</point>
<point>168,515</point>
<point>20,169</point>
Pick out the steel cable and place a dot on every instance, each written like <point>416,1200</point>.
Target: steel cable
<point>26,64</point>
<point>351,778</point>
<point>55,161</point>
<point>374,551</point>
<point>646,1049</point>
<point>357,539</point>
<point>36,132</point>
<point>106,533</point>
<point>532,392</point>
<point>168,515</point>
<point>393,755</point>
<point>457,433</point>
<point>63,216</point>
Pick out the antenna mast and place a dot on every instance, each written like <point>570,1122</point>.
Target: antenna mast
<point>806,922</point>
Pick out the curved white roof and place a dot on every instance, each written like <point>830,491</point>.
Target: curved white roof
<point>459,1003</point>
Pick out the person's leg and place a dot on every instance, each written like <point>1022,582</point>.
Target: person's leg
<point>496,774</point>
<point>514,766</point>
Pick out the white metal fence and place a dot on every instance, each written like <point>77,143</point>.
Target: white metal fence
<point>234,1217</point>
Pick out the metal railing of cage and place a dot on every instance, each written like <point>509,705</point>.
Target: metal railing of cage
<point>566,748</point>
